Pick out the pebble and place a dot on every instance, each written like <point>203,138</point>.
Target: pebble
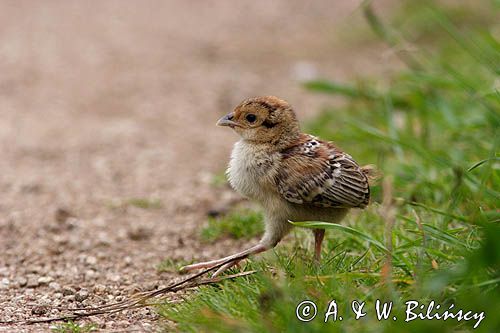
<point>4,283</point>
<point>45,280</point>
<point>127,260</point>
<point>151,285</point>
<point>61,215</point>
<point>139,233</point>
<point>147,327</point>
<point>54,286</point>
<point>90,274</point>
<point>103,239</point>
<point>90,260</point>
<point>40,309</point>
<point>67,291</point>
<point>22,281</point>
<point>102,255</point>
<point>34,269</point>
<point>81,295</point>
<point>113,277</point>
<point>32,282</point>
<point>99,289</point>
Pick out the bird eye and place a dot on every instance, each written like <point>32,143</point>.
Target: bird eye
<point>251,118</point>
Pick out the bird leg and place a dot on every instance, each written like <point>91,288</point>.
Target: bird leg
<point>227,266</point>
<point>237,256</point>
<point>319,234</point>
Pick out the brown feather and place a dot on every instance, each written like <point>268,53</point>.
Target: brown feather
<point>316,172</point>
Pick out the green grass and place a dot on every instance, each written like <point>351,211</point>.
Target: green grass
<point>171,265</point>
<point>432,231</point>
<point>142,203</point>
<point>237,224</point>
<point>72,327</point>
<point>219,179</point>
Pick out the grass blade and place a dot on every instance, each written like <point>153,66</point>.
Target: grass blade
<point>353,232</point>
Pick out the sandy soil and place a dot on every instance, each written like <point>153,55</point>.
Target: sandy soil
<point>101,102</point>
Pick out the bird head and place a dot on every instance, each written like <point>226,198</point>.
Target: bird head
<point>263,120</point>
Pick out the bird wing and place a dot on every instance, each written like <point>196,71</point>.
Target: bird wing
<point>318,173</point>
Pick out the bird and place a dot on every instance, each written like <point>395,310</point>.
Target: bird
<point>294,176</point>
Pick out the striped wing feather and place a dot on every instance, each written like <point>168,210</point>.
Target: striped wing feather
<point>316,172</point>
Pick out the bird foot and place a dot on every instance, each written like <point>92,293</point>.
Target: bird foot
<point>227,262</point>
<point>210,264</point>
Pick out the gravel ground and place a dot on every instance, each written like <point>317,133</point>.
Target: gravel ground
<point>102,102</point>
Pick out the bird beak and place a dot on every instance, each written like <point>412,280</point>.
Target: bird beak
<point>227,120</point>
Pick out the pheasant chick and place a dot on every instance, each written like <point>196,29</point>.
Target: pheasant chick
<point>294,176</point>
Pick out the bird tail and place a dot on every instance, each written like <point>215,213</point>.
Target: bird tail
<point>372,173</point>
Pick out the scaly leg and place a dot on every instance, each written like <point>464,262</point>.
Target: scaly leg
<point>227,266</point>
<point>319,234</point>
<point>241,255</point>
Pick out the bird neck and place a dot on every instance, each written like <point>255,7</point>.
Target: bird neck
<point>284,138</point>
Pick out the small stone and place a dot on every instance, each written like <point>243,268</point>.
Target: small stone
<point>90,274</point>
<point>81,295</point>
<point>34,269</point>
<point>61,239</point>
<point>113,277</point>
<point>4,284</point>
<point>32,282</point>
<point>67,291</point>
<point>103,239</point>
<point>91,260</point>
<point>127,260</point>
<point>40,309</point>
<point>61,215</point>
<point>54,249</point>
<point>54,286</point>
<point>99,289</point>
<point>44,280</point>
<point>58,295</point>
<point>139,233</point>
<point>151,285</point>
<point>22,281</point>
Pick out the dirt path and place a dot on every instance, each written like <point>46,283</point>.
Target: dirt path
<point>101,102</point>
